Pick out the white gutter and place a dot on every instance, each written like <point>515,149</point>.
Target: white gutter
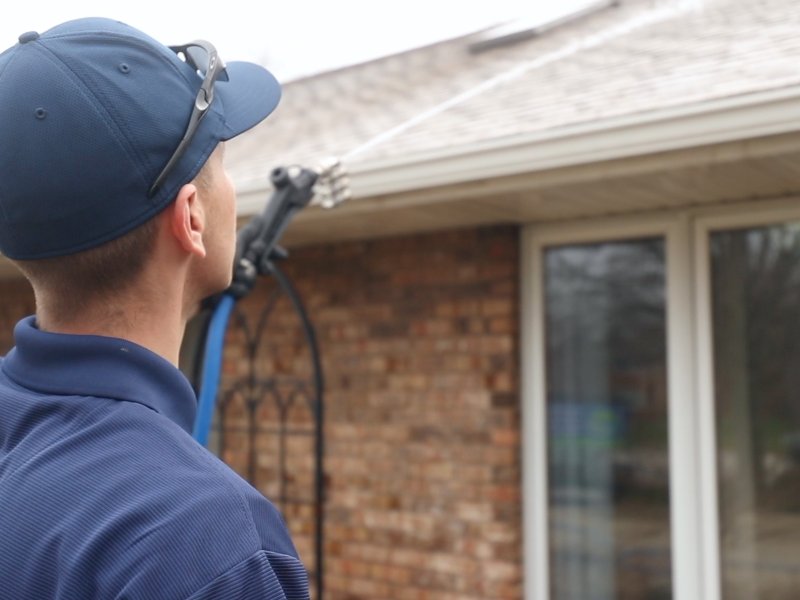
<point>683,127</point>
<point>730,119</point>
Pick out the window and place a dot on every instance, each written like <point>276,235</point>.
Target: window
<point>661,419</point>
<point>608,475</point>
<point>755,293</point>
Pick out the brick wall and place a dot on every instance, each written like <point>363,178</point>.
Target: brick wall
<point>419,341</point>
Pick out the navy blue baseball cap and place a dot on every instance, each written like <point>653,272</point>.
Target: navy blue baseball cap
<point>91,113</point>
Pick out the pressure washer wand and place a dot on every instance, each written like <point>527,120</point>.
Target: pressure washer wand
<point>256,247</point>
<point>256,243</point>
<point>294,189</point>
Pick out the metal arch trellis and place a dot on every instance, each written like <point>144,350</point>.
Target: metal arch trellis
<point>284,393</point>
<point>256,252</point>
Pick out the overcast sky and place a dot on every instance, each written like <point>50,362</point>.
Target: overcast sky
<point>293,37</point>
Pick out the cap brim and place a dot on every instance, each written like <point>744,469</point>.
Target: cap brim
<point>248,97</point>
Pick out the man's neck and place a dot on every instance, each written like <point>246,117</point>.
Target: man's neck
<point>158,328</point>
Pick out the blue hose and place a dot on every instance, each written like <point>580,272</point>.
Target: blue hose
<point>212,365</point>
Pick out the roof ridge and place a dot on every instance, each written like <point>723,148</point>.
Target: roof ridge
<point>442,43</point>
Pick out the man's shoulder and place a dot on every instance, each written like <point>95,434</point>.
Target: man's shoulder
<point>93,452</point>
<point>196,514</point>
<point>140,490</point>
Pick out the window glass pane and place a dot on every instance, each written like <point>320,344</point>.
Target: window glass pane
<point>608,468</point>
<point>756,308</point>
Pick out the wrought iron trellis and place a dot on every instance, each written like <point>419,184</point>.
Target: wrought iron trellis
<point>284,393</point>
<point>294,188</point>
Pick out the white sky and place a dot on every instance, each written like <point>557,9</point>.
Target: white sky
<point>292,37</point>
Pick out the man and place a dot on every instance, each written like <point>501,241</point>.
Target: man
<point>115,204</point>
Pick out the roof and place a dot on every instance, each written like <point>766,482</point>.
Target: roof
<point>646,105</point>
<point>633,58</point>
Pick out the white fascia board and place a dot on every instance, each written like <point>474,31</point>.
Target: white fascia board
<point>687,126</point>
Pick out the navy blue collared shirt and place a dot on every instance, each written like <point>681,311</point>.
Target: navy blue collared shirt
<point>104,493</point>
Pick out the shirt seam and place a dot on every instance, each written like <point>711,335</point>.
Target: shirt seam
<point>219,468</point>
<point>246,513</point>
<point>266,552</point>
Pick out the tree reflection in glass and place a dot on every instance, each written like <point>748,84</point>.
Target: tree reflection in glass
<point>756,308</point>
<point>608,468</point>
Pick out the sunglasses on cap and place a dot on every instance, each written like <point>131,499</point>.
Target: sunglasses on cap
<point>203,58</point>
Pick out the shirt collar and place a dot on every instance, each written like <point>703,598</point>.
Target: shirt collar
<point>106,367</point>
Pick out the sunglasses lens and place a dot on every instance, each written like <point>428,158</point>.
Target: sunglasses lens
<point>197,57</point>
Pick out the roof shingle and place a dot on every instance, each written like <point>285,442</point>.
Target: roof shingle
<point>639,56</point>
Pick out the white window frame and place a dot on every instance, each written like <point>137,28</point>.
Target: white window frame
<point>692,448</point>
<point>687,554</point>
<point>705,223</point>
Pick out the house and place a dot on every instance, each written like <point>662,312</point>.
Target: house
<point>557,318</point>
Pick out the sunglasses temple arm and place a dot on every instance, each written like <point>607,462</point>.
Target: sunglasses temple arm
<point>177,154</point>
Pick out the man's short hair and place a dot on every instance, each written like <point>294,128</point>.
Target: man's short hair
<point>102,271</point>
<point>97,272</point>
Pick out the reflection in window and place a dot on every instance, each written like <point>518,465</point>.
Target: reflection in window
<point>756,308</point>
<point>608,470</point>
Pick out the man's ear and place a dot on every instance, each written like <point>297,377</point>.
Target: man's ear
<point>188,221</point>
